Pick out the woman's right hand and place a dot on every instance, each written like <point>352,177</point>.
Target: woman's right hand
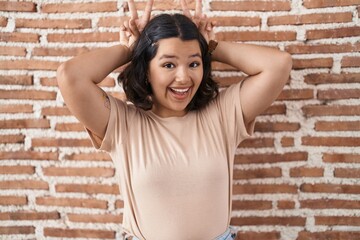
<point>204,24</point>
<point>131,29</point>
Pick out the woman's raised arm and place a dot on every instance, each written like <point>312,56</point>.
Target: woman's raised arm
<point>77,78</point>
<point>268,71</point>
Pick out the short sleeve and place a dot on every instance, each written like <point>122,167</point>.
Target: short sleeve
<point>116,129</point>
<point>232,115</point>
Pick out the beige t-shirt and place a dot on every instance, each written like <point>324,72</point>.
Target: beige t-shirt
<point>175,174</point>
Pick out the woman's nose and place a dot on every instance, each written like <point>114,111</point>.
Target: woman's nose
<point>182,75</point>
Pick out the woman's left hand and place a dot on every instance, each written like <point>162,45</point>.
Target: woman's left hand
<point>131,29</point>
<point>204,24</point>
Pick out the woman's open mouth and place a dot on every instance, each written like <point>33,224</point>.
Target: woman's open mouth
<point>180,93</point>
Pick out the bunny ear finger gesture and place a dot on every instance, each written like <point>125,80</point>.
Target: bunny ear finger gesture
<point>140,23</point>
<point>198,11</point>
<point>204,25</point>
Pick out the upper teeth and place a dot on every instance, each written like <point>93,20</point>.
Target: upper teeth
<point>180,90</point>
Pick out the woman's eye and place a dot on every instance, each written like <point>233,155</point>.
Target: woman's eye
<point>168,65</point>
<point>194,64</point>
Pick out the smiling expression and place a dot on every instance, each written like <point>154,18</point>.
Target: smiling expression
<point>175,74</point>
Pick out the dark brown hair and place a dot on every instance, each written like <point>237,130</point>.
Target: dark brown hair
<point>134,77</point>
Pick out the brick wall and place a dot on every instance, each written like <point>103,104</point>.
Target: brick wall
<point>297,178</point>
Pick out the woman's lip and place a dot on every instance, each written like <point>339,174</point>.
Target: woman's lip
<point>180,96</point>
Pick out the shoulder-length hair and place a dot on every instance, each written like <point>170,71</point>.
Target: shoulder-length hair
<point>134,77</point>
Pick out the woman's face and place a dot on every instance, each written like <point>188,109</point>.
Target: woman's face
<point>175,74</point>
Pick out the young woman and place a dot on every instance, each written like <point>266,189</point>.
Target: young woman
<point>173,147</point>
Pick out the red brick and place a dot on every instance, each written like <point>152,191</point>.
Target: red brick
<point>330,204</point>
<point>257,173</point>
<point>72,202</point>
<point>24,123</point>
<point>341,158</point>
<point>287,141</point>
<point>53,23</point>
<point>331,141</point>
<point>119,204</point>
<point>12,138</point>
<point>331,94</point>
<point>256,36</point>
<point>258,235</point>
<point>285,204</point>
<point>250,6</point>
<point>95,218</point>
<point>112,21</point>
<point>306,172</point>
<point>55,111</point>
<point>264,188</point>
<point>19,37</point>
<point>275,109</point>
<point>63,127</point>
<point>29,65</point>
<point>338,221</point>
<point>328,235</point>
<point>161,5</point>
<point>78,233</point>
<point>80,172</point>
<point>330,188</point>
<point>325,78</point>
<point>79,7</point>
<point>12,51</point>
<point>322,48</point>
<point>48,81</point>
<point>333,110</point>
<point>333,33</point>
<point>27,94</point>
<point>313,18</point>
<point>251,205</point>
<point>19,216</point>
<point>60,142</point>
<point>237,21</point>
<point>296,94</point>
<point>16,80</point>
<point>13,200</point>
<point>9,230</point>
<point>16,108</point>
<point>24,184</point>
<point>276,126</point>
<point>337,126</point>
<point>95,156</point>
<point>10,6</point>
<point>29,155</point>
<point>312,63</point>
<point>17,170</point>
<point>327,3</point>
<point>271,157</point>
<point>346,173</point>
<point>257,142</point>
<point>69,52</point>
<point>88,188</point>
<point>282,221</point>
<point>83,37</point>
<point>350,61</point>
<point>3,22</point>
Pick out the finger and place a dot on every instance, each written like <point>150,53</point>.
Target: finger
<point>198,8</point>
<point>185,8</point>
<point>133,28</point>
<point>147,11</point>
<point>123,38</point>
<point>133,10</point>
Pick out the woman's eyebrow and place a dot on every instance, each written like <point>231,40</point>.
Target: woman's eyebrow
<point>173,56</point>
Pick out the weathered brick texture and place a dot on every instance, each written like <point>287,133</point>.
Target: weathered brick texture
<point>297,178</point>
